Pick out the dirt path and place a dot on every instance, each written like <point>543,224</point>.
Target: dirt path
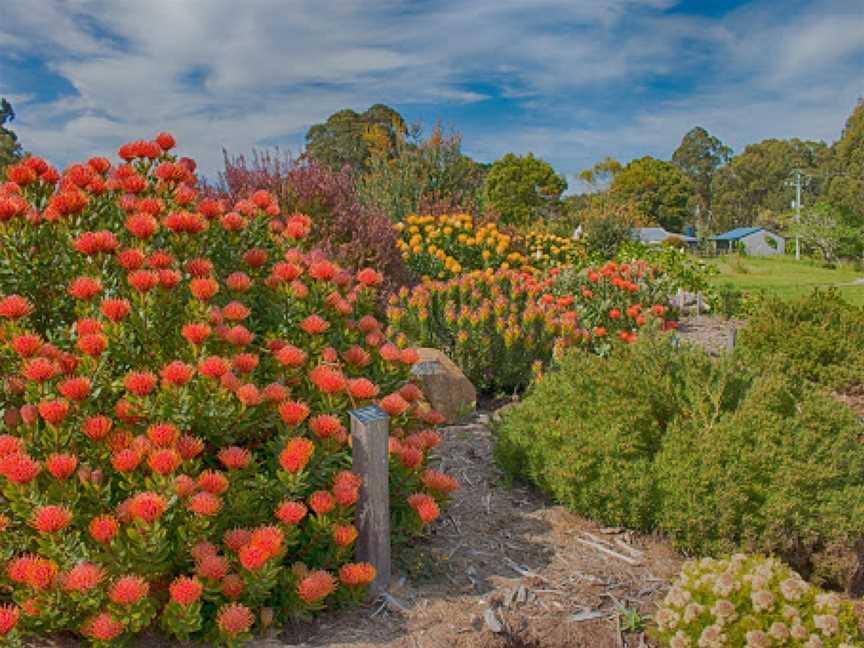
<point>710,331</point>
<point>501,558</point>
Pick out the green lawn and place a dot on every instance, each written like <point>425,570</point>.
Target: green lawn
<point>785,277</point>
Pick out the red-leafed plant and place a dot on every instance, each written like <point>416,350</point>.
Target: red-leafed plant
<point>177,372</point>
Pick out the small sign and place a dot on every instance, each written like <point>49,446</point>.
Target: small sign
<point>368,414</point>
<point>426,368</point>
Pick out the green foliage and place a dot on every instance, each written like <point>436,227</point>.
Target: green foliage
<point>823,229</point>
<point>10,149</point>
<point>699,156</point>
<point>819,338</point>
<point>607,227</point>
<point>523,189</point>
<point>752,601</point>
<point>660,190</point>
<point>349,139</point>
<point>683,269</point>
<point>846,190</point>
<point>714,454</point>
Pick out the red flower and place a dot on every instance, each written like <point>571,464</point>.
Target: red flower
<point>204,504</point>
<point>234,619</point>
<point>147,507</point>
<point>213,482</point>
<point>362,388</point>
<point>164,461</point>
<point>346,494</point>
<point>143,280</point>
<point>33,571</point>
<point>61,466</point>
<point>291,356</point>
<point>103,528</point>
<point>239,336</point>
<point>213,367</point>
<point>253,556</point>
<point>203,549</point>
<point>439,482</point>
<point>389,352</point>
<point>203,288</point>
<point>53,411</point>
<point>196,333</point>
<point>97,427</point>
<point>103,627</point>
<point>344,535</point>
<point>177,373</point>
<point>184,485</point>
<point>9,615</point>
<point>128,590</point>
<point>326,426</point>
<point>316,586</point>
<point>85,288</point>
<point>83,577</point>
<point>185,590</point>
<point>248,394</point>
<point>163,435</point>
<point>393,404</point>
<point>369,277</point>
<point>293,412</point>
<point>368,324</point>
<point>199,267</point>
<point>88,326</point>
<point>296,454</point>
<point>130,259</point>
<point>411,392</point>
<point>275,393</point>
<point>238,282</point>
<point>327,380</point>
<point>615,313</point>
<point>236,312</point>
<point>232,586</point>
<point>599,332</point>
<point>424,506</point>
<point>40,370</point>
<point>289,512</point>
<point>51,519</point>
<point>115,309</point>
<point>15,307</point>
<point>189,446</point>
<point>75,389</point>
<point>165,141</point>
<point>255,258</point>
<point>92,345</point>
<point>357,356</point>
<point>140,383</point>
<point>234,458</point>
<point>19,468</point>
<point>314,325</point>
<point>26,345</point>
<point>409,356</point>
<point>126,460</point>
<point>357,574</point>
<point>212,567</point>
<point>410,457</point>
<point>323,270</point>
<point>322,502</point>
<point>234,539</point>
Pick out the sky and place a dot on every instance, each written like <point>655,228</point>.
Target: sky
<point>571,81</point>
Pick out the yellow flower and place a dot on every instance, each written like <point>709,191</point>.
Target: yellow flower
<point>448,230</point>
<point>413,229</point>
<point>416,249</point>
<point>486,255</point>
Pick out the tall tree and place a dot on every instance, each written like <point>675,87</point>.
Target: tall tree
<point>349,138</point>
<point>10,149</point>
<point>699,156</point>
<point>523,188</point>
<point>756,179</point>
<point>599,176</point>
<point>659,189</point>
<point>846,188</point>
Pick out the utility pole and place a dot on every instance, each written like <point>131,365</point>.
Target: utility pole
<point>797,175</point>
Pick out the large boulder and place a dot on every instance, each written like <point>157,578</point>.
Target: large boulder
<point>444,385</point>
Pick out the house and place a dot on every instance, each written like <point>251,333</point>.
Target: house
<point>658,235</point>
<point>755,241</point>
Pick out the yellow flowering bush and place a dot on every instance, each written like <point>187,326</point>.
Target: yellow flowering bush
<point>441,247</point>
<point>752,602</point>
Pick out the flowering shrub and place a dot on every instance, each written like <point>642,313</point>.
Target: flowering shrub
<point>753,602</point>
<point>441,247</point>
<point>177,374</point>
<point>499,326</point>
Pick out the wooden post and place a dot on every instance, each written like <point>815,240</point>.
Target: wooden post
<point>370,432</point>
<point>681,300</point>
<point>698,304</point>
<point>730,341</point>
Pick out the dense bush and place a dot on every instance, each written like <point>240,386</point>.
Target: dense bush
<point>176,382</point>
<point>819,338</point>
<point>714,454</point>
<point>754,602</point>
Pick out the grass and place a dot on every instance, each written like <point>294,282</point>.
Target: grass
<point>785,277</point>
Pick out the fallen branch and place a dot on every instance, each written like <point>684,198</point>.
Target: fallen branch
<point>614,554</point>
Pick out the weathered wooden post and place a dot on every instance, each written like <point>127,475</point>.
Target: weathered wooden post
<point>698,304</point>
<point>730,340</point>
<point>370,431</point>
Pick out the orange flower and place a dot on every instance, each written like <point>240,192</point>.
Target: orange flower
<point>357,574</point>
<point>234,619</point>
<point>439,482</point>
<point>204,504</point>
<point>296,454</point>
<point>103,528</point>
<point>103,627</point>
<point>293,412</point>
<point>212,567</point>
<point>15,307</point>
<point>234,458</point>
<point>291,356</point>
<point>140,383</point>
<point>128,590</point>
<point>289,512</point>
<point>344,535</point>
<point>322,502</point>
<point>83,577</point>
<point>115,309</point>
<point>327,380</point>
<point>61,466</point>
<point>316,586</point>
<point>177,373</point>
<point>147,507</point>
<point>232,586</point>
<point>326,426</point>
<point>235,539</point>
<point>314,325</point>
<point>185,590</point>
<point>9,615</point>
<point>195,333</point>
<point>424,506</point>
<point>51,519</point>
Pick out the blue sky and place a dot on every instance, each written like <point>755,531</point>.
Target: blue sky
<point>569,80</point>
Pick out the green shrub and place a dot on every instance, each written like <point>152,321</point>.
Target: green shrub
<point>819,338</point>
<point>755,602</point>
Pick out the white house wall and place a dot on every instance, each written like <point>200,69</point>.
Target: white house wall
<point>757,244</point>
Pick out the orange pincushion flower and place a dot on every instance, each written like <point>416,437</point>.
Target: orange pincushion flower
<point>362,388</point>
<point>248,394</point>
<point>293,412</point>
<point>291,356</point>
<point>296,454</point>
<point>368,324</point>
<point>204,504</point>
<point>128,590</point>
<point>393,404</point>
<point>410,392</point>
<point>83,577</point>
<point>424,506</point>
<point>344,535</point>
<point>130,259</point>
<point>53,411</point>
<point>213,367</point>
<point>199,267</point>
<point>103,528</point>
<point>357,357</point>
<point>177,373</point>
<point>26,345</point>
<point>103,627</point>
<point>40,370</point>
<point>439,482</point>
<point>61,466</point>
<point>212,567</point>
<point>316,586</point>
<point>232,586</point>
<point>147,507</point>
<point>143,280</point>
<point>275,392</point>
<point>185,590</point>
<point>38,573</point>
<point>184,485</point>
<point>235,311</point>
<point>19,468</point>
<point>326,426</point>
<point>51,519</point>
<point>314,325</point>
<point>162,435</point>
<point>196,333</point>
<point>203,288</point>
<point>85,288</point>
<point>126,460</point>
<point>369,277</point>
<point>410,457</point>
<point>238,282</point>
<point>140,383</point>
<point>244,362</point>
<point>203,549</point>
<point>164,461</point>
<point>234,458</point>
<point>253,556</point>
<point>389,352</point>
<point>238,336</point>
<point>327,380</point>
<point>269,538</point>
<point>289,512</point>
<point>409,356</point>
<point>234,539</point>
<point>15,307</point>
<point>213,482</point>
<point>322,502</point>
<point>357,574</point>
<point>75,389</point>
<point>115,309</point>
<point>92,345</point>
<point>255,258</point>
<point>234,619</point>
<point>9,615</point>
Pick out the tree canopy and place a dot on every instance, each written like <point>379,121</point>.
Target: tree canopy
<point>659,189</point>
<point>699,156</point>
<point>349,138</point>
<point>523,188</point>
<point>846,184</point>
<point>10,149</point>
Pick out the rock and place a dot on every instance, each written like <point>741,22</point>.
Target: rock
<point>444,385</point>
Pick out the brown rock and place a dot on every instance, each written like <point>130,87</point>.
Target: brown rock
<point>444,385</point>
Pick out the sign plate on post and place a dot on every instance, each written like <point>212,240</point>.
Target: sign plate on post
<point>370,432</point>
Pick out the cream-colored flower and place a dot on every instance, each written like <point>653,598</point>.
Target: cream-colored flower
<point>667,619</point>
<point>712,637</point>
<point>829,601</point>
<point>779,631</point>
<point>791,613</point>
<point>680,640</point>
<point>827,623</point>
<point>763,600</point>
<point>692,612</point>
<point>724,611</point>
<point>724,585</point>
<point>792,588</point>
<point>814,642</point>
<point>758,639</point>
<point>678,597</point>
<point>799,632</point>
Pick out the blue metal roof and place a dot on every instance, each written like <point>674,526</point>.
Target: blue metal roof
<point>737,233</point>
